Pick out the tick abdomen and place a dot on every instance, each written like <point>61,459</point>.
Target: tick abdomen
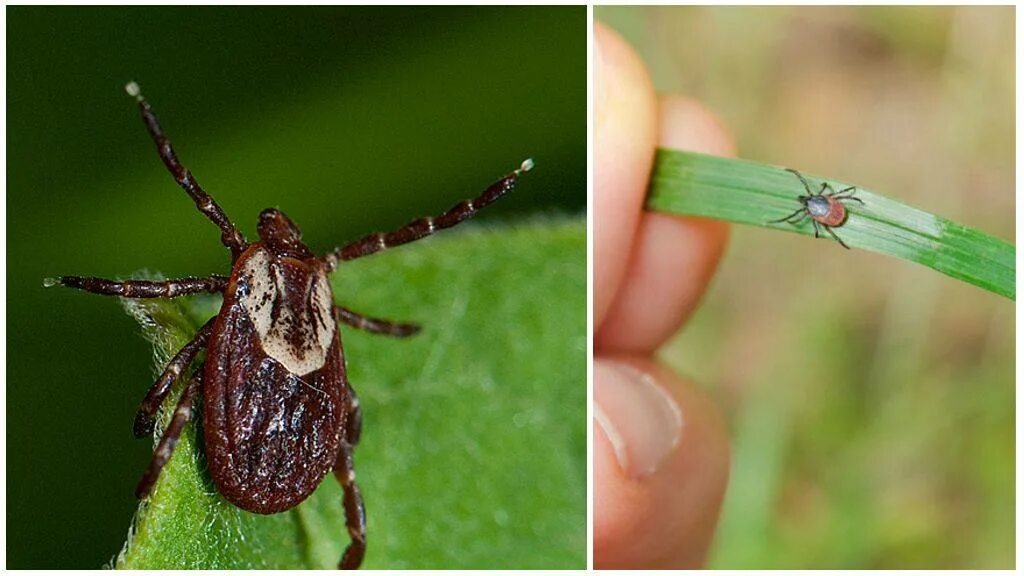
<point>826,210</point>
<point>274,390</point>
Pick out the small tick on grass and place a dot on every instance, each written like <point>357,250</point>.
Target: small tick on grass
<point>827,210</point>
<point>278,410</point>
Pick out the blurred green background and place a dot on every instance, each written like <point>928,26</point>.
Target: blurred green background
<point>871,401</point>
<point>350,120</point>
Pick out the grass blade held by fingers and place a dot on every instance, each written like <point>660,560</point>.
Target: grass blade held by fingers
<point>746,192</point>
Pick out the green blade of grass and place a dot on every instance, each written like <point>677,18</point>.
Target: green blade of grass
<point>473,451</point>
<point>746,192</point>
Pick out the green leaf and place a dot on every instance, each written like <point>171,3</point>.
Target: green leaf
<point>473,453</point>
<point>749,193</point>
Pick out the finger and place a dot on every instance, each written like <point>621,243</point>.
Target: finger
<point>661,467</point>
<point>625,132</point>
<point>674,257</point>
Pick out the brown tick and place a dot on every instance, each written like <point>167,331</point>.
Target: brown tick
<point>278,410</point>
<point>827,210</point>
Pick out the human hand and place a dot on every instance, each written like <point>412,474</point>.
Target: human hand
<point>662,456</point>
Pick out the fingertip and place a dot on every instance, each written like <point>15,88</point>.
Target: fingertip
<point>664,518</point>
<point>625,121</point>
<point>626,102</point>
<point>687,124</point>
<point>673,258</point>
<point>620,509</point>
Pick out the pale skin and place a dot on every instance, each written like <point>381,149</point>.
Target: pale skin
<point>661,464</point>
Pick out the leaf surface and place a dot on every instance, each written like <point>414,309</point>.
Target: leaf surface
<point>473,453</point>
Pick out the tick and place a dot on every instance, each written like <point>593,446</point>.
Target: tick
<point>278,410</point>
<point>827,210</point>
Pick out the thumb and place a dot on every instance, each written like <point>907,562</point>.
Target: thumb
<point>661,466</point>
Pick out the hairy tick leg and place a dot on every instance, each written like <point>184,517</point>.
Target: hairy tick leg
<point>786,219</point>
<point>142,288</point>
<point>838,239</point>
<point>424,227</point>
<point>229,235</point>
<point>355,513</point>
<point>802,179</point>
<point>182,414</point>
<point>804,216</point>
<point>375,325</point>
<point>354,419</point>
<point>145,416</point>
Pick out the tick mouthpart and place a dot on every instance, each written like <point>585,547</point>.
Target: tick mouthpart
<point>50,282</point>
<point>273,224</point>
<point>279,234</point>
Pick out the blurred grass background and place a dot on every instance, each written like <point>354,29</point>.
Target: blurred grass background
<point>871,401</point>
<point>351,120</point>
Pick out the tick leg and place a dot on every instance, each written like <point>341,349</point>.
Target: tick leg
<point>802,179</point>
<point>423,227</point>
<point>182,414</point>
<point>799,220</point>
<point>786,219</point>
<point>142,288</point>
<point>816,231</point>
<point>375,325</point>
<point>229,235</point>
<point>842,195</point>
<point>354,419</point>
<point>838,239</point>
<point>355,513</point>
<point>145,417</point>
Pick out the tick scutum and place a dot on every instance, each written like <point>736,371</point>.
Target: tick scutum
<point>278,410</point>
<point>818,206</point>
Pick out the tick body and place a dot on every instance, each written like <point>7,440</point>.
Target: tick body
<point>824,209</point>
<point>278,410</point>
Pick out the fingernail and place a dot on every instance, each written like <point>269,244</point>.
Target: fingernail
<point>641,420</point>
